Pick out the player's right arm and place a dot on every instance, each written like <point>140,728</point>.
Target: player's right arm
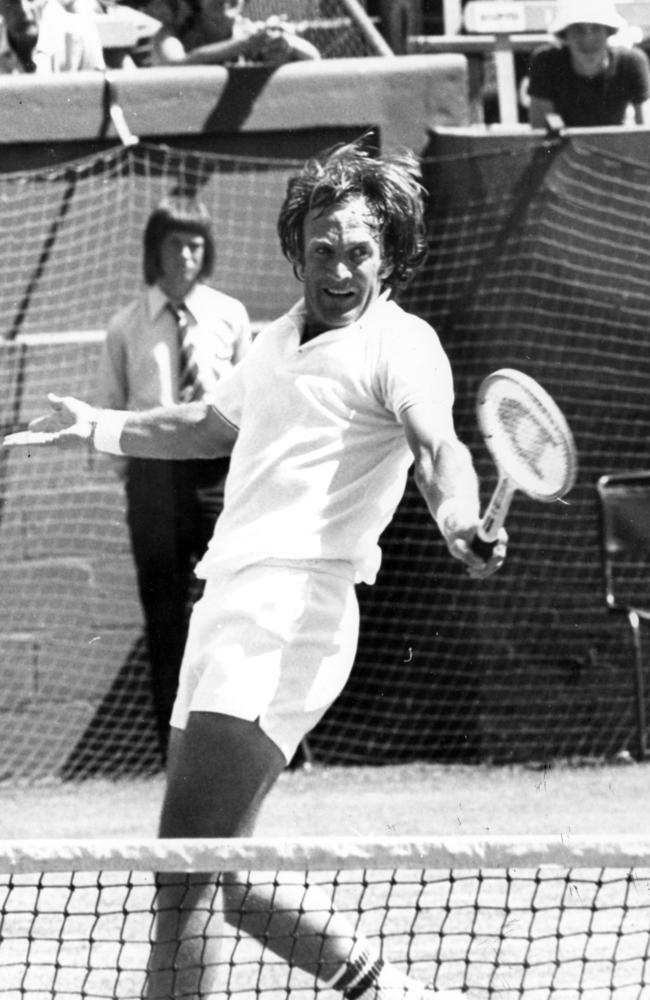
<point>540,109</point>
<point>168,49</point>
<point>188,430</point>
<point>543,84</point>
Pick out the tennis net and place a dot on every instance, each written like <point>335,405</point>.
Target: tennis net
<point>498,917</point>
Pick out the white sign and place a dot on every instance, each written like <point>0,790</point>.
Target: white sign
<point>494,16</point>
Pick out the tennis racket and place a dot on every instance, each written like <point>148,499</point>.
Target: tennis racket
<point>530,442</point>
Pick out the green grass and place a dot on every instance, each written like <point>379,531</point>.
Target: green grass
<point>401,800</point>
<point>409,800</point>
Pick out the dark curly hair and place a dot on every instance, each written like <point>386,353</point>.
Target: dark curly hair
<point>173,214</point>
<point>389,184</point>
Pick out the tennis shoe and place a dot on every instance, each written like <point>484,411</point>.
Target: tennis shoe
<point>393,984</point>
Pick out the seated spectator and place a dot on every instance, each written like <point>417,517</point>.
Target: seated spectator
<point>197,32</point>
<point>42,36</point>
<point>587,78</point>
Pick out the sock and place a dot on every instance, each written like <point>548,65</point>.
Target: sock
<point>367,977</point>
<point>389,984</point>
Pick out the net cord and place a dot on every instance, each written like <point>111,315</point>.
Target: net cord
<point>327,853</point>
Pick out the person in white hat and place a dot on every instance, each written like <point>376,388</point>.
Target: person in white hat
<point>582,77</point>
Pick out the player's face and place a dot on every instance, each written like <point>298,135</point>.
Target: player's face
<point>182,253</point>
<point>587,39</point>
<point>344,265</point>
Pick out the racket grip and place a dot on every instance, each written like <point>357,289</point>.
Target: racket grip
<point>495,514</point>
<point>481,548</point>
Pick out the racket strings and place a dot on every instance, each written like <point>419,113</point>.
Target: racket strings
<point>528,436</point>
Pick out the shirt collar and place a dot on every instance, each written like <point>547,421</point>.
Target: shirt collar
<point>157,301</point>
<point>297,314</point>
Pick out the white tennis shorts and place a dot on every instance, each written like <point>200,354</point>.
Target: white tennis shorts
<point>273,642</point>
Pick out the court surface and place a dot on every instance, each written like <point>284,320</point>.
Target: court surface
<point>414,799</point>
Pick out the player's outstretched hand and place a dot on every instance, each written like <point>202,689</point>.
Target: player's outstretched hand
<point>69,424</point>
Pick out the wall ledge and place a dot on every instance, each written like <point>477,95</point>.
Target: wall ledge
<point>403,96</point>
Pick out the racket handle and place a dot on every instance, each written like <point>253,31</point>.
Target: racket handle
<point>481,548</point>
<point>493,519</point>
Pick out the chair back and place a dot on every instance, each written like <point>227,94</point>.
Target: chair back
<point>624,501</point>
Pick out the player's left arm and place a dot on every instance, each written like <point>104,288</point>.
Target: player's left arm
<point>187,430</point>
<point>445,475</point>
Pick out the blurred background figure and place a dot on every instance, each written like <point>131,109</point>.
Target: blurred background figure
<point>216,31</point>
<point>45,36</point>
<point>171,344</point>
<point>593,76</point>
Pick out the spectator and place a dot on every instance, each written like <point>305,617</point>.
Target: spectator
<point>42,36</point>
<point>172,506</point>
<point>585,79</point>
<point>199,32</point>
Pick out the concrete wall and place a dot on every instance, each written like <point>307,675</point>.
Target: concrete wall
<point>252,109</point>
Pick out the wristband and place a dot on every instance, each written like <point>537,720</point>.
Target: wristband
<point>108,431</point>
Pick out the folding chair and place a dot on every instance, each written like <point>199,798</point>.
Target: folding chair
<point>624,501</point>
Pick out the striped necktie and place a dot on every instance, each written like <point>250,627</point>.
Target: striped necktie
<point>189,379</point>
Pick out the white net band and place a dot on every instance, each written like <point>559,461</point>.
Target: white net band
<point>575,927</point>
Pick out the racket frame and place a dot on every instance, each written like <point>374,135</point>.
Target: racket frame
<point>499,504</point>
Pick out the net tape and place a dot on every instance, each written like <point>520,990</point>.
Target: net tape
<point>325,853</point>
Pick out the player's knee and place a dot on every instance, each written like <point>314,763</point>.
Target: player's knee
<point>219,772</point>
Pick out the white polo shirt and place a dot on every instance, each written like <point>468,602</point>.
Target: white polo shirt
<point>321,459</point>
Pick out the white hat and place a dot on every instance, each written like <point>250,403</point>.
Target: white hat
<point>586,12</point>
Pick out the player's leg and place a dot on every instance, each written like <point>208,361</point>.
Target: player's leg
<point>301,926</point>
<point>220,773</point>
<point>223,766</point>
<point>221,769</point>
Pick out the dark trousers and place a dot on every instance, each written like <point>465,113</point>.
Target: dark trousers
<point>171,511</point>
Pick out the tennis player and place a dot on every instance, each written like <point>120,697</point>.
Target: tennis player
<point>323,419</point>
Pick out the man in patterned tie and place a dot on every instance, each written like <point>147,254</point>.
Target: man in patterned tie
<point>189,373</point>
<point>171,344</point>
